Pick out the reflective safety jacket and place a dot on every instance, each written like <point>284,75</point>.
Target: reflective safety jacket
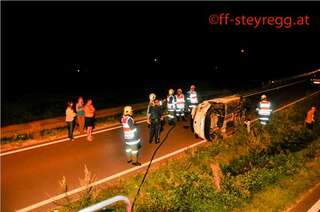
<point>264,108</point>
<point>129,130</point>
<point>171,103</point>
<point>192,98</point>
<point>180,104</point>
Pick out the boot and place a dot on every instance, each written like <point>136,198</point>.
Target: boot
<point>136,163</point>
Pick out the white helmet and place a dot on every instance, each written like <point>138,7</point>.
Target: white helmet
<point>152,97</point>
<point>171,92</point>
<point>127,110</point>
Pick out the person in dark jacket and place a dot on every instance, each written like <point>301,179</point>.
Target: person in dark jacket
<point>154,120</point>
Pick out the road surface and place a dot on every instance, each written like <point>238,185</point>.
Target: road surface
<point>31,176</point>
<point>309,202</point>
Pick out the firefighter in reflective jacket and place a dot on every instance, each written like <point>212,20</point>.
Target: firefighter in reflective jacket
<point>192,98</point>
<point>180,105</point>
<point>264,110</point>
<point>131,137</point>
<point>171,106</point>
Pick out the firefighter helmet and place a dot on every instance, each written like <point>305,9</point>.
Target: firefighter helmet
<point>263,97</point>
<point>127,110</point>
<point>152,96</point>
<point>171,92</point>
<point>193,87</point>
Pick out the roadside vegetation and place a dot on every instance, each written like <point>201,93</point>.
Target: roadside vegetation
<point>279,161</point>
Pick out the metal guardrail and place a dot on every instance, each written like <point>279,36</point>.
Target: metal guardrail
<point>103,204</point>
<point>59,122</point>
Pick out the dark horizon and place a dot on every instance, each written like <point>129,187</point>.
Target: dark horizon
<point>142,43</point>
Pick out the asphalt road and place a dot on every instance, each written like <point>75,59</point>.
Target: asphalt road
<point>308,201</point>
<point>31,176</point>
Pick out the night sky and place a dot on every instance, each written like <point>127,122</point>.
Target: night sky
<point>121,45</point>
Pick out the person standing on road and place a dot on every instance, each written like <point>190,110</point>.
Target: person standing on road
<point>89,113</point>
<point>80,114</point>
<point>309,121</point>
<point>171,106</point>
<point>152,97</point>
<point>154,120</point>
<point>192,98</point>
<point>70,115</point>
<point>131,138</point>
<point>192,102</point>
<point>180,105</point>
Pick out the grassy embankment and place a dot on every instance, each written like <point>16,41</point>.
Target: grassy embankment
<point>275,164</point>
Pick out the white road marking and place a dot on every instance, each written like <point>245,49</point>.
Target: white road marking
<point>315,207</point>
<point>62,140</point>
<point>58,197</point>
<point>271,89</point>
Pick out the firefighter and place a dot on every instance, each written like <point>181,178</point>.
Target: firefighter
<point>131,137</point>
<point>171,106</point>
<point>192,98</point>
<point>180,105</point>
<point>264,110</point>
<point>154,120</point>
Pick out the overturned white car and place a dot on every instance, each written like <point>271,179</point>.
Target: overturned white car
<point>215,115</point>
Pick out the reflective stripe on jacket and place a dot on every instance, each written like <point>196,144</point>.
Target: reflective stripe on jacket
<point>180,101</point>
<point>171,103</point>
<point>192,97</point>
<point>264,108</point>
<point>128,129</point>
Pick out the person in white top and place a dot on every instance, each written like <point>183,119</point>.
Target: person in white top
<point>70,115</point>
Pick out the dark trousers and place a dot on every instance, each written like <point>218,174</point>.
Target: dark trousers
<point>180,114</point>
<point>132,152</point>
<point>155,130</point>
<point>171,116</point>
<point>309,125</point>
<point>70,125</point>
